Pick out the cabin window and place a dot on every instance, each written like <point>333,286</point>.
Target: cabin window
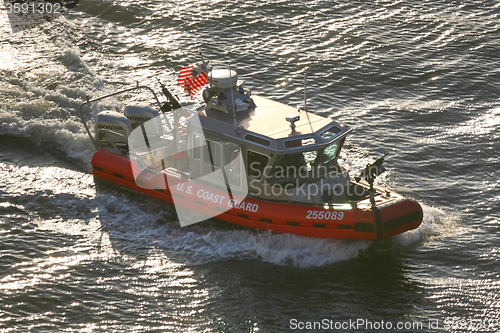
<point>256,164</point>
<point>299,161</point>
<point>197,146</point>
<point>294,165</point>
<point>330,152</point>
<point>232,163</point>
<point>258,140</point>
<point>231,152</point>
<point>212,153</point>
<point>330,133</point>
<point>300,142</point>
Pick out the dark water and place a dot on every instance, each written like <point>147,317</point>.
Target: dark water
<point>417,79</point>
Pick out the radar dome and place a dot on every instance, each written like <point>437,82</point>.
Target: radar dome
<point>223,78</point>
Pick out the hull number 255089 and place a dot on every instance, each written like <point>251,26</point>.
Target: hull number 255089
<point>322,215</point>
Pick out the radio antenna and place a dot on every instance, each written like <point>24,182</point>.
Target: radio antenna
<point>232,97</point>
<point>305,98</point>
<point>305,102</point>
<point>201,55</point>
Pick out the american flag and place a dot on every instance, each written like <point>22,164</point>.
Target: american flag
<point>192,78</point>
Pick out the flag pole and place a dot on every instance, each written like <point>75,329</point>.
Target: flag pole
<point>206,67</point>
<point>201,56</point>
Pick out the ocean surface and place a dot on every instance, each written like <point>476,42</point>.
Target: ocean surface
<point>417,79</point>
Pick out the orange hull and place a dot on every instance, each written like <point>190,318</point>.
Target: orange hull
<point>397,213</point>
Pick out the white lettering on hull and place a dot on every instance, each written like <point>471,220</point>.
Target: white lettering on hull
<point>217,198</point>
<point>242,205</point>
<point>207,196</point>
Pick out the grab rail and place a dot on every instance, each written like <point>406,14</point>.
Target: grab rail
<point>84,121</point>
<point>107,132</point>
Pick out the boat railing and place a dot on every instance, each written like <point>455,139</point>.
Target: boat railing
<point>107,132</point>
<point>90,101</point>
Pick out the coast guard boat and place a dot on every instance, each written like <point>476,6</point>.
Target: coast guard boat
<point>246,160</point>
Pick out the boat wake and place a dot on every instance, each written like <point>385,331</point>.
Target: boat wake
<point>437,223</point>
<point>127,229</point>
<point>134,234</point>
<point>125,226</point>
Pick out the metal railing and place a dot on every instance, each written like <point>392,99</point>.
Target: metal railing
<point>90,101</point>
<point>107,132</point>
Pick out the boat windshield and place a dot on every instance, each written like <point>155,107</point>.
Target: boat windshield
<point>293,164</point>
<point>330,153</point>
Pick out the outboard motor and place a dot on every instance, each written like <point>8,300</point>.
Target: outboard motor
<point>139,114</point>
<point>112,130</point>
<point>142,113</point>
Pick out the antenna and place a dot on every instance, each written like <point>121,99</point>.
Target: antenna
<point>305,102</point>
<point>204,66</point>
<point>232,97</point>
<point>201,55</point>
<point>300,107</point>
<point>305,98</point>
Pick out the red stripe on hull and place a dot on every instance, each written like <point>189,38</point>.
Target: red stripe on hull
<point>306,220</point>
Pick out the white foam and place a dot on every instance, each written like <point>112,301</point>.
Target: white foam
<point>49,84</point>
<point>67,134</point>
<point>436,223</point>
<point>288,249</point>
<point>202,246</point>
<point>118,225</point>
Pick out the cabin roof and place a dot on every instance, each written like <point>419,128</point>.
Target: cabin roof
<point>267,118</point>
<point>265,125</point>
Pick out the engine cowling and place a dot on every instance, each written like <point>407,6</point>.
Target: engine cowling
<point>112,127</point>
